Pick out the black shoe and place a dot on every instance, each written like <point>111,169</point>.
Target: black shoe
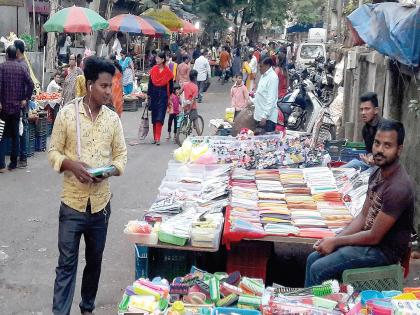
<point>157,142</point>
<point>22,163</point>
<point>12,166</point>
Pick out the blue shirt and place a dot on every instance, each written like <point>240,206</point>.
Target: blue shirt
<point>265,100</point>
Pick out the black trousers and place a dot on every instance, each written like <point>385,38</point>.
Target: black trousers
<point>172,120</point>
<point>72,225</point>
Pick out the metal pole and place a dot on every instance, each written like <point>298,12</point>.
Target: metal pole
<point>43,67</point>
<point>339,16</point>
<point>360,3</point>
<point>33,24</point>
<point>17,21</point>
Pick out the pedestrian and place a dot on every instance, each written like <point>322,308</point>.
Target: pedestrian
<point>54,85</point>
<point>173,66</point>
<point>69,85</point>
<point>23,145</point>
<point>127,66</point>
<point>116,47</point>
<point>246,71</point>
<point>183,72</point>
<point>239,95</point>
<point>202,66</point>
<point>224,63</point>
<point>117,86</point>
<point>152,59</point>
<point>237,63</point>
<point>196,53</point>
<point>190,90</point>
<point>253,64</point>
<point>380,234</point>
<point>282,74</point>
<point>16,89</point>
<point>85,135</point>
<point>266,97</point>
<point>64,44</point>
<point>173,110</point>
<point>160,88</point>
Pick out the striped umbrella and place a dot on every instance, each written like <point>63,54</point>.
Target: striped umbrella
<point>129,23</point>
<point>160,29</point>
<point>75,20</point>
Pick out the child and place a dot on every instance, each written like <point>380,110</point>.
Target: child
<point>190,90</point>
<point>173,110</point>
<point>239,94</point>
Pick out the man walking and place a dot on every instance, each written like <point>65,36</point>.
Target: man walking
<point>224,63</point>
<point>265,100</point>
<point>86,135</point>
<point>23,149</point>
<point>202,66</point>
<point>16,88</point>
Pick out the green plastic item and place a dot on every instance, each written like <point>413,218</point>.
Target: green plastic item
<point>376,278</point>
<point>172,239</point>
<point>355,145</point>
<point>324,303</point>
<point>163,304</point>
<point>220,275</point>
<point>123,306</point>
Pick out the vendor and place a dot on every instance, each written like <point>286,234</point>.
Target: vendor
<point>369,110</point>
<point>54,85</point>
<point>380,234</point>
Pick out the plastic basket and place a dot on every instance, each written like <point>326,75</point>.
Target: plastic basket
<point>141,261</point>
<point>349,154</point>
<point>376,278</point>
<point>41,126</point>
<point>170,263</point>
<point>172,239</point>
<point>249,258</point>
<point>355,145</point>
<point>130,106</point>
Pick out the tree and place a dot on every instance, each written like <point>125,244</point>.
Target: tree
<point>52,42</point>
<point>307,11</point>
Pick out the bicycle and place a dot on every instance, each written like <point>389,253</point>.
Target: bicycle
<point>186,127</point>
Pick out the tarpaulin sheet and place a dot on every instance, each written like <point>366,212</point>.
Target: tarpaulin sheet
<point>391,29</point>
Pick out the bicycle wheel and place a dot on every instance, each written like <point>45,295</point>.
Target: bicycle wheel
<point>200,126</point>
<point>183,132</point>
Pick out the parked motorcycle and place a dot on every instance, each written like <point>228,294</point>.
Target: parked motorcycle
<point>304,111</point>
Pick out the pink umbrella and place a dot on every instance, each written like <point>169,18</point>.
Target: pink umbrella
<point>187,28</point>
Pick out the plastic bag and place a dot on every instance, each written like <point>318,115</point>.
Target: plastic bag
<point>20,127</point>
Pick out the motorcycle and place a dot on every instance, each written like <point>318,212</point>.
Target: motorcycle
<point>304,111</point>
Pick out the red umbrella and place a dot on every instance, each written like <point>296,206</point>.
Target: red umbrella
<point>187,28</point>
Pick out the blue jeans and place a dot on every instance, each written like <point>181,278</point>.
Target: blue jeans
<point>357,164</point>
<point>72,225</point>
<point>320,268</point>
<point>11,130</point>
<point>200,90</point>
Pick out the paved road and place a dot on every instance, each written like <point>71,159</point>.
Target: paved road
<point>29,203</point>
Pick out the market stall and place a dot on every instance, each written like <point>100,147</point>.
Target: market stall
<point>248,193</point>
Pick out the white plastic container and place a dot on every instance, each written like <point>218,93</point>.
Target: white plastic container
<point>140,238</point>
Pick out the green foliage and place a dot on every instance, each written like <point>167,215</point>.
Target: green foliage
<point>29,41</point>
<point>307,11</point>
<point>353,5</point>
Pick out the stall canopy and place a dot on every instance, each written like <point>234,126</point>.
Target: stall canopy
<point>303,28</point>
<point>391,29</point>
<point>131,24</point>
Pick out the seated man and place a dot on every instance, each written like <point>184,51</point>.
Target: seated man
<point>369,111</point>
<point>380,234</point>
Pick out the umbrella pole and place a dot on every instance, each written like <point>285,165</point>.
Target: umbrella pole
<point>43,70</point>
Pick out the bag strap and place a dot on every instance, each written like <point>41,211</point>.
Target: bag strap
<point>79,146</point>
<point>146,110</point>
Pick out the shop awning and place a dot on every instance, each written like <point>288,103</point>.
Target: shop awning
<point>12,3</point>
<point>303,27</point>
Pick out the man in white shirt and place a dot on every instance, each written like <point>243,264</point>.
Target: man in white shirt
<point>254,69</point>
<point>265,100</point>
<point>53,86</point>
<point>117,48</point>
<point>202,66</point>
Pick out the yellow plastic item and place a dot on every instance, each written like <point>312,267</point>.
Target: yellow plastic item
<point>230,114</point>
<point>405,296</point>
<point>143,290</point>
<point>142,303</point>
<point>198,151</point>
<point>180,156</point>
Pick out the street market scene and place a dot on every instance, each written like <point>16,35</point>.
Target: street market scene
<point>209,157</point>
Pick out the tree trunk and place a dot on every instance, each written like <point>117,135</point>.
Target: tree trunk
<point>235,21</point>
<point>52,42</point>
<point>241,26</point>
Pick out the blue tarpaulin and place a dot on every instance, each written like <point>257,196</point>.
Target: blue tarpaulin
<point>391,29</point>
<point>303,28</point>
